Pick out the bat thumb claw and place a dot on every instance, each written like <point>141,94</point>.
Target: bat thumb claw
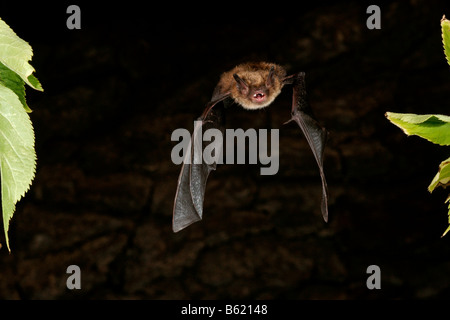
<point>288,121</point>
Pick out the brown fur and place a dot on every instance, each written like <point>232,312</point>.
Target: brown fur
<point>260,92</point>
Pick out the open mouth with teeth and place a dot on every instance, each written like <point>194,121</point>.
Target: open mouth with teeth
<point>259,97</point>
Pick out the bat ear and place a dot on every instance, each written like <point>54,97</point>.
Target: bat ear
<point>242,86</point>
<point>269,80</point>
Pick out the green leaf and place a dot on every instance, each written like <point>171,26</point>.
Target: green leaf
<point>17,154</point>
<point>15,54</point>
<point>442,178</point>
<point>445,26</point>
<point>433,127</point>
<point>12,81</point>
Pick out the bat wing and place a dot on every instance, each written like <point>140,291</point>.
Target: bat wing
<point>315,134</point>
<point>188,203</point>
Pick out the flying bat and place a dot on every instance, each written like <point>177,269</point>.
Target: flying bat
<point>253,86</point>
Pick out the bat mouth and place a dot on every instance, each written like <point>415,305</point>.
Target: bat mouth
<point>259,97</point>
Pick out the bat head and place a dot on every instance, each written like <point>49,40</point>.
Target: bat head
<point>256,88</point>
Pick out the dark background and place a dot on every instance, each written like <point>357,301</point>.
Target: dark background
<point>115,91</point>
